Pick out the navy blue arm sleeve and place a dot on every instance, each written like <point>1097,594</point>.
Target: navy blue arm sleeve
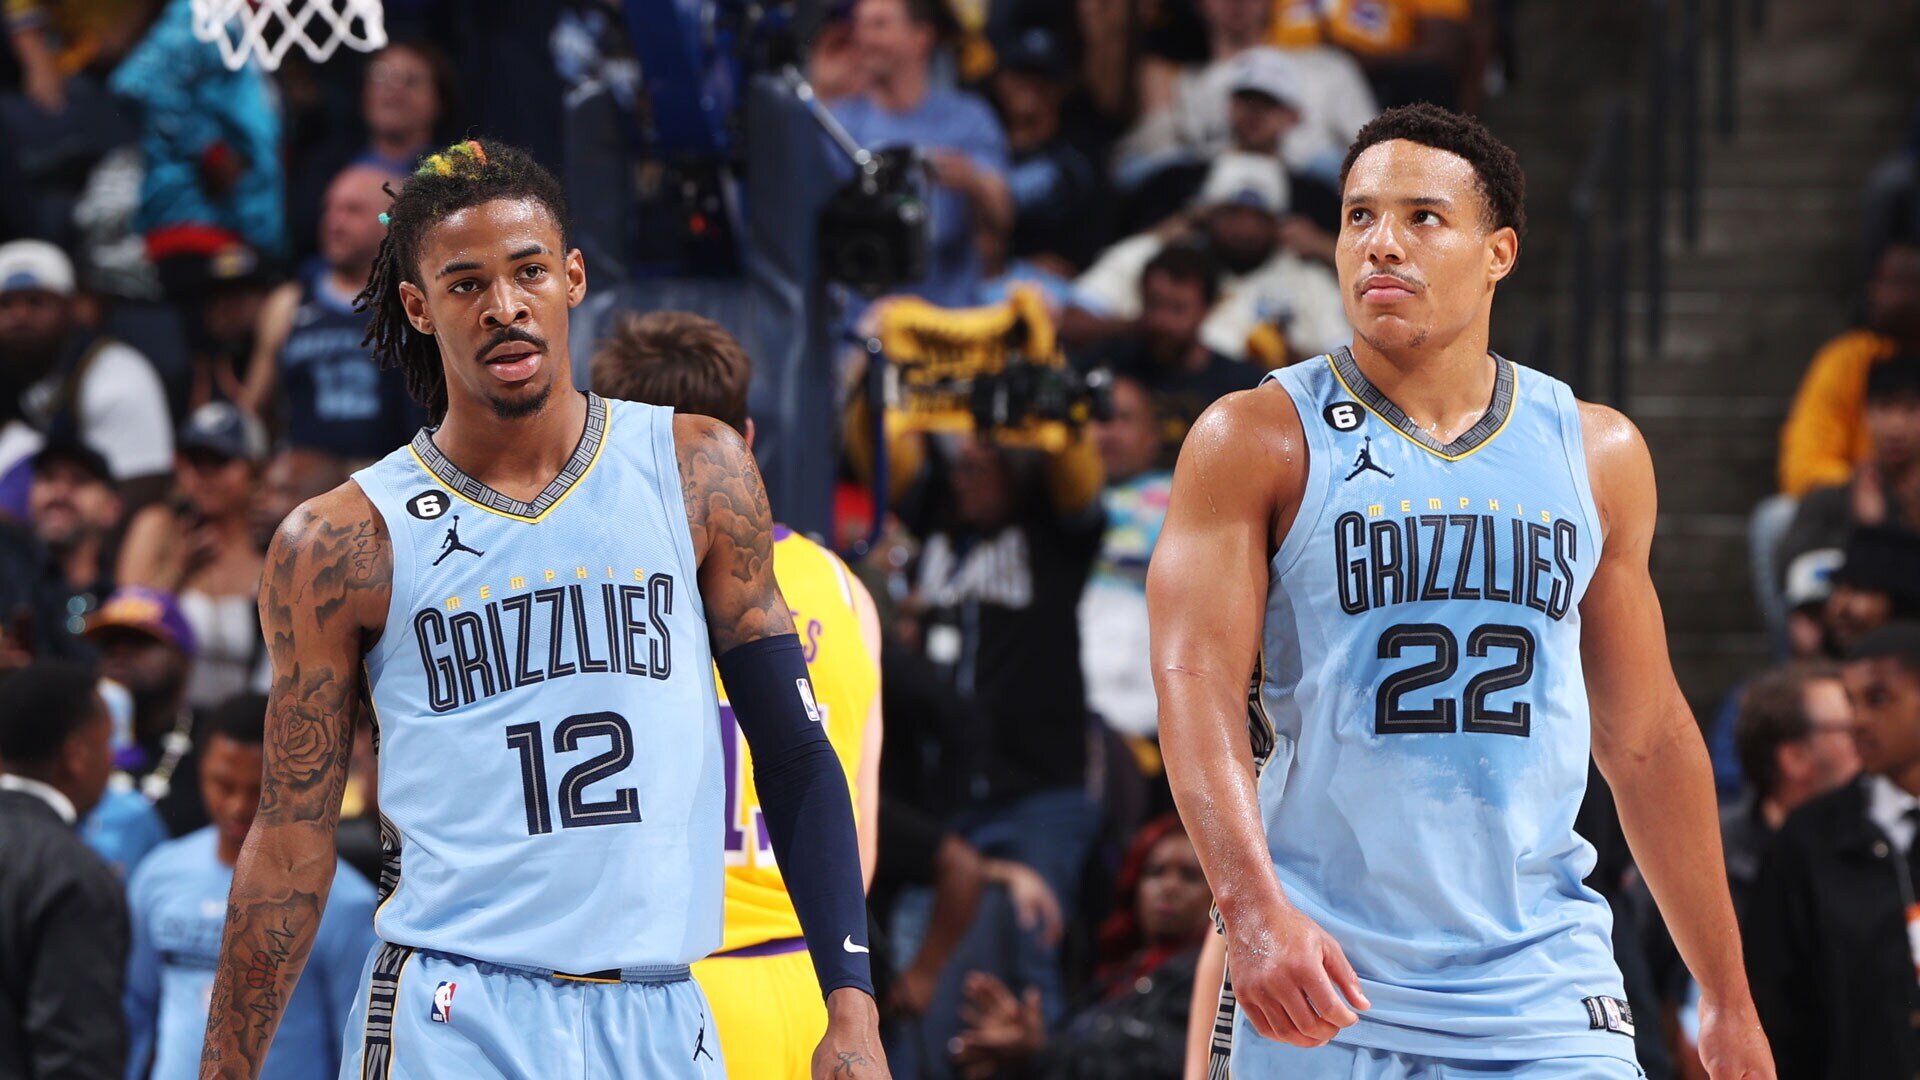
<point>803,796</point>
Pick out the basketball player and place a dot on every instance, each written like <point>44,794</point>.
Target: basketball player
<point>551,767</point>
<point>1439,559</point>
<point>765,1001</point>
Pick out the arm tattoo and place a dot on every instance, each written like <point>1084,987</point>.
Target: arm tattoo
<point>322,597</point>
<point>732,532</point>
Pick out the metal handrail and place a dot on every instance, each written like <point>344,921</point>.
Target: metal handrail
<point>1602,196</point>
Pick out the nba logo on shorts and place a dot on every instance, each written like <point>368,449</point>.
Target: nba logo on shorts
<point>442,1012</point>
<point>806,699</point>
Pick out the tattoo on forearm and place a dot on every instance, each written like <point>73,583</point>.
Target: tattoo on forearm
<point>322,579</point>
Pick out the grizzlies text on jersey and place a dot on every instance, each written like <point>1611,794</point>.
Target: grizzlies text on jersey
<point>1424,717</point>
<point>551,771</point>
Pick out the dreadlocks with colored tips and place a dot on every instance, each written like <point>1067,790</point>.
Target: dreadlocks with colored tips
<point>463,175</point>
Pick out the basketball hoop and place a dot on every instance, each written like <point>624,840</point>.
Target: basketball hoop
<point>266,29</point>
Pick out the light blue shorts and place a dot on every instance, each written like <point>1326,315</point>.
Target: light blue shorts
<point>427,1016</point>
<point>1255,1058</point>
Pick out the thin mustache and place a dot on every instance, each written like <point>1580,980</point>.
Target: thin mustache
<point>1411,283</point>
<point>511,333</point>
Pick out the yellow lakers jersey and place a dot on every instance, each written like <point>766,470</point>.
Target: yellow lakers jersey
<point>846,676</point>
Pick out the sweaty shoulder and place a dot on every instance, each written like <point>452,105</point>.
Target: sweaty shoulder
<point>1251,440</point>
<point>333,558</point>
<point>1619,467</point>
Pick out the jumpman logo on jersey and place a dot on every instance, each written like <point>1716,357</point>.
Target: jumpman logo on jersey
<point>1361,463</point>
<point>700,1043</point>
<point>452,543</point>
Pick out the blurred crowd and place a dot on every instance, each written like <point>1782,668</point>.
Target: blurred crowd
<point>181,365</point>
<point>1818,756</point>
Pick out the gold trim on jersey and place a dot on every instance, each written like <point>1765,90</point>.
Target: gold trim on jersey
<point>1506,398</point>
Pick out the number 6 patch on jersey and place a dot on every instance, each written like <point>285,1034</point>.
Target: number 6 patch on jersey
<point>428,505</point>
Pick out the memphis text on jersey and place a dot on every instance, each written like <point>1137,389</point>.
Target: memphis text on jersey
<point>552,625</point>
<point>1458,549</point>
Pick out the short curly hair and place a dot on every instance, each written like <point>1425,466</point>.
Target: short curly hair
<point>1501,182</point>
<point>463,175</point>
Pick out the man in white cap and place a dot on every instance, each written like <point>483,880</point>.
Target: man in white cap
<point>60,376</point>
<point>1236,217</point>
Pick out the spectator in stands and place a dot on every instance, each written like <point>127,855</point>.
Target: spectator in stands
<point>1265,115</point>
<point>917,851</point>
<point>1183,109</point>
<point>1890,209</point>
<point>75,514</point>
<point>1133,1023</point>
<point>310,371</point>
<point>123,828</point>
<point>1877,582</point>
<point>1008,538</point>
<point>211,139</point>
<point>407,99</point>
<point>1056,189</point>
<point>1236,218</point>
<point>177,902</point>
<point>1794,733</point>
<point>1165,353</point>
<point>146,646</point>
<point>963,143</point>
<point>290,478</point>
<point>1113,611</point>
<point>62,377</point>
<point>1826,434</point>
<point>220,317</point>
<point>63,937</point>
<point>1809,586</point>
<point>1885,488</point>
<point>1412,50</point>
<point>200,548</point>
<point>1829,938</point>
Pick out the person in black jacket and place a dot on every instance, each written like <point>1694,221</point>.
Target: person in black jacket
<point>63,920</point>
<point>1833,971</point>
<point>1132,1023</point>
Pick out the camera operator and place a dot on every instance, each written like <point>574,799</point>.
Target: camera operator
<point>963,143</point>
<point>1008,537</point>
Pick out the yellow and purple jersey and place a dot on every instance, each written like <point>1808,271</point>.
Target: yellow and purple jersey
<point>846,676</point>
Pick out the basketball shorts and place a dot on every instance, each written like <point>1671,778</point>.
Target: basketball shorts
<point>428,1016</point>
<point>1256,1058</point>
<point>767,1008</point>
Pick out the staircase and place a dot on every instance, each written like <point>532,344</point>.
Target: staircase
<point>1823,93</point>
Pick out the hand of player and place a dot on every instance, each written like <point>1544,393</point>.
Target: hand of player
<point>851,1049</point>
<point>1033,901</point>
<point>1290,977</point>
<point>1732,1044</point>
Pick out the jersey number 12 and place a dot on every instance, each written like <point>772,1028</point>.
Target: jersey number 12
<point>576,812</point>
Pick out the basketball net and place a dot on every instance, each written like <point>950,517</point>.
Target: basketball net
<point>266,29</point>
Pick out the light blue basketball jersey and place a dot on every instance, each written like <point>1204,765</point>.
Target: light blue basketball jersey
<point>551,777</point>
<point>1422,698</point>
<point>177,903</point>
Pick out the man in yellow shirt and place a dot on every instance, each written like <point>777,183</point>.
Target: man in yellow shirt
<point>765,999</point>
<point>1412,50</point>
<point>1825,434</point>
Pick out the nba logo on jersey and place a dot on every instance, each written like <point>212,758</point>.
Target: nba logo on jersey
<point>442,1011</point>
<point>806,699</point>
